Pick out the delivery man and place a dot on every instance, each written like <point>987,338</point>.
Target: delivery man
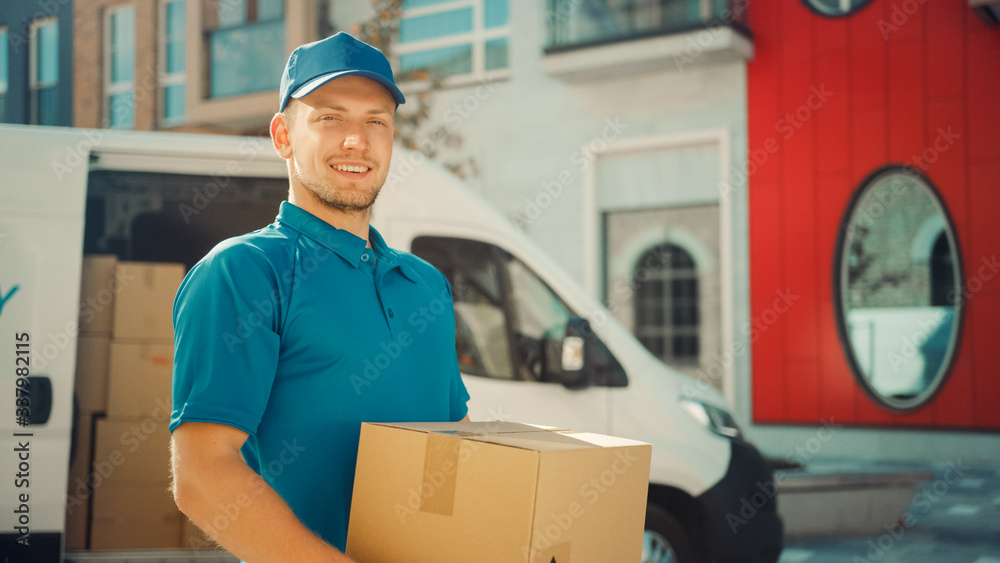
<point>287,338</point>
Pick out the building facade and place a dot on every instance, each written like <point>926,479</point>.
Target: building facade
<point>610,132</point>
<point>874,150</point>
<point>716,173</point>
<point>184,66</point>
<point>36,63</point>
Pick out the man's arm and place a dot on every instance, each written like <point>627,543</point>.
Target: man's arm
<point>215,487</point>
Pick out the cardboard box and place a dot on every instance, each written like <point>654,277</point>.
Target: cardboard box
<point>132,450</point>
<point>134,516</point>
<point>143,307</point>
<point>98,286</point>
<point>139,378</point>
<point>92,363</point>
<point>497,491</point>
<point>78,490</point>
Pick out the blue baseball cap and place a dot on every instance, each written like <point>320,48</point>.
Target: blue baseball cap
<point>314,64</point>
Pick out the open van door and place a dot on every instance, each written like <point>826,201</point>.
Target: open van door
<point>42,195</point>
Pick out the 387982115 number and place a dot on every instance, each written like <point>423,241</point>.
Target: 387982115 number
<point>22,369</point>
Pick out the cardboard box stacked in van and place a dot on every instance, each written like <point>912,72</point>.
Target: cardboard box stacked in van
<point>118,495</point>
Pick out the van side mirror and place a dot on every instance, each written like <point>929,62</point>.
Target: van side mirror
<point>566,357</point>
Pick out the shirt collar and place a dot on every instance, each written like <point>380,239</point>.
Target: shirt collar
<point>388,256</point>
<point>347,245</point>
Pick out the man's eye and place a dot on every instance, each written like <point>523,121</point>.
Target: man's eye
<point>377,122</point>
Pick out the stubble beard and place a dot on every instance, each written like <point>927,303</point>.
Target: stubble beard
<point>329,195</point>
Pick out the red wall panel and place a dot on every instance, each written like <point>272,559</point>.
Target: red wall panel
<point>981,333</point>
<point>832,36</point>
<point>802,342</point>
<point>905,103</point>
<point>832,119</point>
<point>769,391</point>
<point>866,59</point>
<point>956,402</point>
<point>902,20</point>
<point>868,145</point>
<point>946,67</point>
<point>983,247</point>
<point>762,166</point>
<point>803,392</point>
<point>838,398</point>
<point>983,91</point>
<point>912,83</point>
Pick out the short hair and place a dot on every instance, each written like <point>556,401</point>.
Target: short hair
<point>290,112</point>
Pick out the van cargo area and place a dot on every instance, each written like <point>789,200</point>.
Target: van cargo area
<point>143,231</point>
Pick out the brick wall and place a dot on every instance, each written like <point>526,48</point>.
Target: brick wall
<point>89,59</point>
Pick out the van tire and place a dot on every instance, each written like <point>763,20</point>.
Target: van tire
<point>660,523</point>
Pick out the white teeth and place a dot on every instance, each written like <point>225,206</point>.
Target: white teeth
<point>350,168</point>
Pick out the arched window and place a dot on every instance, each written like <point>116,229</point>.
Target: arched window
<point>667,315</point>
<point>942,273</point>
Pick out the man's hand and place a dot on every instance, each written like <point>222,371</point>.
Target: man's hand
<point>215,487</point>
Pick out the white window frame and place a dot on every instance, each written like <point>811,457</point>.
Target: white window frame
<point>114,89</point>
<point>33,52</point>
<point>478,38</point>
<point>167,79</point>
<point>6,79</point>
<point>33,83</point>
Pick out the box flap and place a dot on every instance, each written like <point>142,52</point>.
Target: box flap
<point>602,440</point>
<point>490,427</point>
<point>518,435</point>
<point>541,441</point>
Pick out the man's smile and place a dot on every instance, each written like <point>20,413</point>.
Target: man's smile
<point>351,167</point>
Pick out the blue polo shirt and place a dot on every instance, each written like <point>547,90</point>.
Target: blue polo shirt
<point>295,334</point>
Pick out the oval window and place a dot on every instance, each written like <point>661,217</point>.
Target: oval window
<point>897,284</point>
<point>835,8</point>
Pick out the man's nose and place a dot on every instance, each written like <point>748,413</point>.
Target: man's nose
<point>355,140</point>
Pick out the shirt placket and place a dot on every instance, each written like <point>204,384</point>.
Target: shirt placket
<point>377,271</point>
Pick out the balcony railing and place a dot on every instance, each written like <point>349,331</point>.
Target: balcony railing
<point>582,23</point>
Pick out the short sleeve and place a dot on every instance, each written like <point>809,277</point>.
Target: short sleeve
<point>226,323</point>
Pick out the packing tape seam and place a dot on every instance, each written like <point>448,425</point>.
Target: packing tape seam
<point>441,457</point>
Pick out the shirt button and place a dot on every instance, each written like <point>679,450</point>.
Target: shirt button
<point>390,313</point>
<point>364,257</point>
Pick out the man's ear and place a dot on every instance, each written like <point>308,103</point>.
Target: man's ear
<point>279,136</point>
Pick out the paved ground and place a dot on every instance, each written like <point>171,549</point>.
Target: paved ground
<point>955,518</point>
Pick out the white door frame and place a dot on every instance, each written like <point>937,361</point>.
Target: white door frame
<point>590,224</point>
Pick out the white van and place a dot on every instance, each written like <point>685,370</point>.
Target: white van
<point>533,346</point>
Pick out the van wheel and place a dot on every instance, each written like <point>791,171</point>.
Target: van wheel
<point>665,540</point>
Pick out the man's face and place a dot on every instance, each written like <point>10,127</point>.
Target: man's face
<point>341,141</point>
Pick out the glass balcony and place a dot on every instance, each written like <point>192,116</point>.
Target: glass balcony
<point>574,24</point>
